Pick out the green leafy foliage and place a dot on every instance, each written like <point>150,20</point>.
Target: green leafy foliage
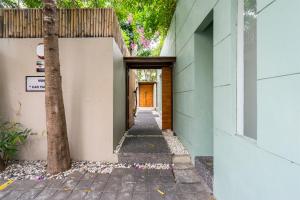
<point>144,23</point>
<point>147,75</point>
<point>11,136</point>
<point>8,4</point>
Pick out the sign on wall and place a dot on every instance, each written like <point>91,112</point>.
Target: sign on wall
<point>40,65</point>
<point>35,83</point>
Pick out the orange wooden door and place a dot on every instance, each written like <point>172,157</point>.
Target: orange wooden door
<point>146,95</point>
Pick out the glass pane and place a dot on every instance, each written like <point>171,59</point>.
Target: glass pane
<point>250,69</point>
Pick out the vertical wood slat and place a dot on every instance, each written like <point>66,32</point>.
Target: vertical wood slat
<point>1,23</point>
<point>28,23</point>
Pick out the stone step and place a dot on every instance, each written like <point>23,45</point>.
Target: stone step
<point>184,159</point>
<point>183,166</point>
<point>186,176</point>
<point>131,158</point>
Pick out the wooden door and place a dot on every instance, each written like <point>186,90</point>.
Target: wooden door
<point>146,95</point>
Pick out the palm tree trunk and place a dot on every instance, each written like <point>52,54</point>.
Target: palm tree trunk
<point>58,147</point>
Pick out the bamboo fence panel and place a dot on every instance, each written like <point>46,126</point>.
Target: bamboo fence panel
<point>72,23</point>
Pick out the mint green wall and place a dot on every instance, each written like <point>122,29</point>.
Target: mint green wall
<point>245,169</point>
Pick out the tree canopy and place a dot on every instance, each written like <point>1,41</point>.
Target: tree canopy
<point>144,23</point>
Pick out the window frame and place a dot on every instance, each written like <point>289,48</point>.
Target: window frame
<point>240,69</point>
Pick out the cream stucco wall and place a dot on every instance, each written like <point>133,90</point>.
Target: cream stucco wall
<point>87,66</point>
<point>119,98</point>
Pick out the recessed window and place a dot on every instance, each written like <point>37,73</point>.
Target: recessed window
<point>247,69</point>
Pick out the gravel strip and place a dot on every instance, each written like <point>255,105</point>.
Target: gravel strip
<point>36,170</point>
<point>175,145</point>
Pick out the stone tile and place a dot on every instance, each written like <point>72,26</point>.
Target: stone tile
<point>140,177</point>
<point>114,179</point>
<point>145,145</point>
<point>88,176</point>
<point>56,184</point>
<point>98,186</point>
<point>171,196</point>
<point>167,172</point>
<point>31,194</point>
<point>128,178</point>
<point>46,194</point>
<point>13,195</point>
<point>140,172</point>
<point>140,187</point>
<point>112,186</point>
<point>140,196</point>
<point>76,175</point>
<point>156,196</point>
<point>3,193</point>
<point>153,187</point>
<point>70,184</point>
<point>186,196</point>
<point>182,166</point>
<point>123,171</point>
<point>153,172</point>
<point>84,185</point>
<point>61,195</point>
<point>14,185</point>
<point>170,188</point>
<point>145,124</point>
<point>124,196</point>
<point>22,185</point>
<point>78,195</point>
<point>127,187</point>
<point>108,196</point>
<point>167,179</point>
<point>153,179</point>
<point>93,196</point>
<point>187,176</point>
<point>102,177</point>
<point>41,184</point>
<point>192,188</point>
<point>204,196</point>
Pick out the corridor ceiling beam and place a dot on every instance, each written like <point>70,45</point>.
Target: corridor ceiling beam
<point>149,62</point>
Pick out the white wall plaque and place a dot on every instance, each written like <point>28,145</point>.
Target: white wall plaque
<point>35,83</point>
<point>40,50</point>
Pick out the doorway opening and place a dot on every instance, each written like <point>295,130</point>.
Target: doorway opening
<point>144,101</point>
<point>149,110</point>
<point>204,97</point>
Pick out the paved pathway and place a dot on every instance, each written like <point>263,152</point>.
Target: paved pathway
<point>145,124</point>
<point>145,142</point>
<point>122,184</point>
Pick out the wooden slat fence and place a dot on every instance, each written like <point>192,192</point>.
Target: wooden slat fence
<point>73,23</point>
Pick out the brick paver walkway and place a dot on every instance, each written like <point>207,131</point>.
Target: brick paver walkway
<point>121,184</point>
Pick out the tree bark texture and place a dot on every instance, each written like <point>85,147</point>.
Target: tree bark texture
<point>58,157</point>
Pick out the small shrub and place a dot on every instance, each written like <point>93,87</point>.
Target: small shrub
<point>11,136</point>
